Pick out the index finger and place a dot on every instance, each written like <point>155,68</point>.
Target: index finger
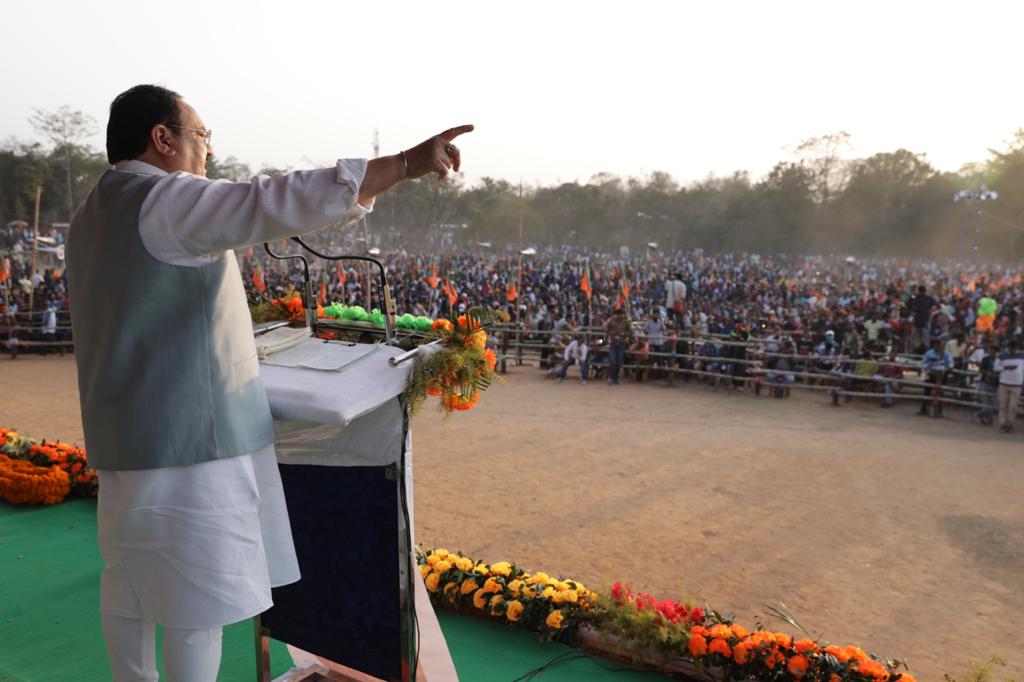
<point>452,133</point>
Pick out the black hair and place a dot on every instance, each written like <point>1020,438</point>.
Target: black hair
<point>133,114</point>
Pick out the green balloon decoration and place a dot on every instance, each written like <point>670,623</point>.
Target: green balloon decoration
<point>987,306</point>
<point>424,323</point>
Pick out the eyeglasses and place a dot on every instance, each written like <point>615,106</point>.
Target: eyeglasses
<point>204,133</point>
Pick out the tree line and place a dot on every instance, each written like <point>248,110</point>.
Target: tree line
<point>817,201</point>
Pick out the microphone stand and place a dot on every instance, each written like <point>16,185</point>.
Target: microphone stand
<point>383,289</point>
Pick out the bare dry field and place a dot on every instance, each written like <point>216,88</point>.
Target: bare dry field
<point>902,534</point>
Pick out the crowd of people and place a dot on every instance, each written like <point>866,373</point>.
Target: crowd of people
<point>773,319</point>
<point>866,323</point>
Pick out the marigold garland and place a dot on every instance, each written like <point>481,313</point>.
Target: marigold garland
<point>22,482</point>
<point>461,367</point>
<point>68,458</point>
<point>558,607</point>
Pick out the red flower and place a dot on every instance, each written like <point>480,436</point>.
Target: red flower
<point>621,592</point>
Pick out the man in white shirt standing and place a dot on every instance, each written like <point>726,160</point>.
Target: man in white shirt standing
<point>675,297</point>
<point>191,516</point>
<point>1010,366</point>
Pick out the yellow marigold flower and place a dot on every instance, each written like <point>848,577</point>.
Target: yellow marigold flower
<point>530,591</point>
<point>548,593</point>
<point>432,580</point>
<point>424,570</point>
<point>515,607</point>
<point>515,586</point>
<point>440,553</point>
<point>479,599</point>
<point>433,559</point>
<point>469,585</point>
<point>495,601</point>
<point>563,585</point>
<point>463,564</point>
<point>442,566</point>
<point>450,587</point>
<point>554,620</point>
<point>481,568</point>
<point>568,596</point>
<point>492,585</point>
<point>540,579</point>
<point>502,568</point>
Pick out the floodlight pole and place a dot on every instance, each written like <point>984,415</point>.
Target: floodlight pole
<point>970,197</point>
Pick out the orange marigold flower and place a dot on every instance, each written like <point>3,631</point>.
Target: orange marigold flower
<point>468,586</point>
<point>698,645</point>
<point>872,669</point>
<point>797,666</point>
<point>460,402</point>
<point>856,654</point>
<point>774,658</point>
<point>719,646</point>
<point>783,640</point>
<point>839,653</point>
<point>805,646</point>
<point>491,359</point>
<point>741,652</point>
<point>442,326</point>
<point>739,631</point>
<point>722,631</point>
<point>907,677</point>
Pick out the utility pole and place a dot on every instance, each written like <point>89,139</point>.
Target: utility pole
<point>35,250</point>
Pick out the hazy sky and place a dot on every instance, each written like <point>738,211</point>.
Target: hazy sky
<point>558,90</point>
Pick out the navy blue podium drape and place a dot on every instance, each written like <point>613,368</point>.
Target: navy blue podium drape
<point>346,606</point>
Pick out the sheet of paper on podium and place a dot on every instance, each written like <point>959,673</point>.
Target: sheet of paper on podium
<point>329,356</point>
<point>350,381</point>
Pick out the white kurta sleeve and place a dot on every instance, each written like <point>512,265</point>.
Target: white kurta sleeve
<point>187,217</point>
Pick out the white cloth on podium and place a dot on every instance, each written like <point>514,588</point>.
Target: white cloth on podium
<point>337,398</point>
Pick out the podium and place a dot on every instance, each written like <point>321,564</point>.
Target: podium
<point>360,610</point>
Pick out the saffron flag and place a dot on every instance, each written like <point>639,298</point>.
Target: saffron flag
<point>623,293</point>
<point>432,280</point>
<point>5,270</point>
<point>510,288</point>
<point>322,298</point>
<point>450,292</point>
<point>257,279</point>
<point>585,282</point>
<point>341,274</point>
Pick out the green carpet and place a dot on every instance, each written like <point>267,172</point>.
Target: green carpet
<point>50,627</point>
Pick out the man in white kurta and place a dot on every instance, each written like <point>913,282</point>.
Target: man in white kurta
<point>197,546</point>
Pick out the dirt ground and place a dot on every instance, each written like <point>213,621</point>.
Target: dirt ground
<point>901,534</point>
